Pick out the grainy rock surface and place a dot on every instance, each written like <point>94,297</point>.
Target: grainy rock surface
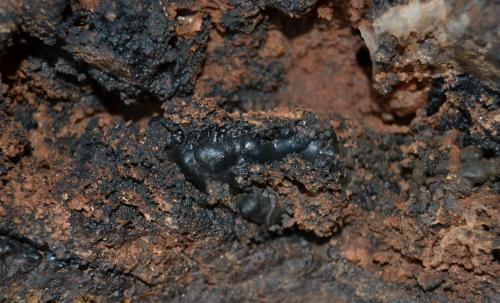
<point>222,151</point>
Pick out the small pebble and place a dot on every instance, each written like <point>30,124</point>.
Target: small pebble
<point>475,171</point>
<point>471,153</point>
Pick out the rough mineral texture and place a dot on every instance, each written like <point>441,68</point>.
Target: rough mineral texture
<point>249,151</point>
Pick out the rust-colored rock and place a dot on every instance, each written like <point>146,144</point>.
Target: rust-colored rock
<point>277,151</point>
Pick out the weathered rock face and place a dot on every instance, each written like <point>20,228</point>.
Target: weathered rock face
<point>419,40</point>
<point>427,52</point>
<point>143,156</point>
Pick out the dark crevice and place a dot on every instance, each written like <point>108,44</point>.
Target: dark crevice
<point>496,254</point>
<point>405,120</point>
<point>148,107</point>
<point>291,27</point>
<point>128,202</point>
<point>10,62</point>
<point>295,233</point>
<point>364,61</point>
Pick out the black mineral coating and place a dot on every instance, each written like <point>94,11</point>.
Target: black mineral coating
<point>260,206</point>
<point>238,162</point>
<point>127,48</point>
<point>219,154</point>
<point>290,7</point>
<point>436,97</point>
<point>131,49</point>
<point>472,96</point>
<point>471,92</point>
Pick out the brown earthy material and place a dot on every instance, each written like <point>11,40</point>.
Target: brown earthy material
<point>249,151</point>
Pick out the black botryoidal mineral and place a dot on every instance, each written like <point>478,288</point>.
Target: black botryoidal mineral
<point>218,153</point>
<point>233,159</point>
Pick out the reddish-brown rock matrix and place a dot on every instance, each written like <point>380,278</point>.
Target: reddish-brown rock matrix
<point>253,151</point>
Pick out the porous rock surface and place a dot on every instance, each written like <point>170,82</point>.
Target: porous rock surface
<point>276,151</point>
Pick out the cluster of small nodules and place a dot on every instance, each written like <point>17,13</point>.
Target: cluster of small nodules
<point>476,168</point>
<point>217,154</point>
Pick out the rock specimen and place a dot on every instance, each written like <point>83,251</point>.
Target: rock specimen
<point>230,150</point>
